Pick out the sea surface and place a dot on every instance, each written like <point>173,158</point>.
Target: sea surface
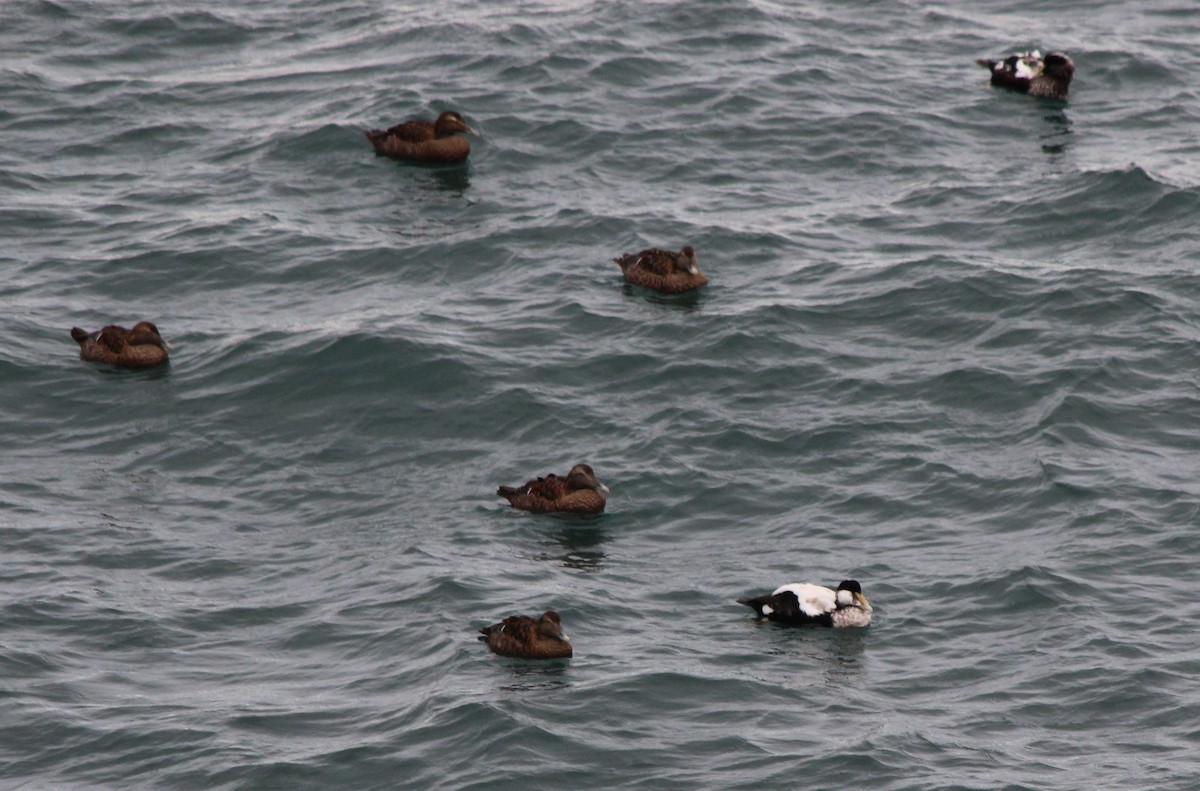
<point>951,349</point>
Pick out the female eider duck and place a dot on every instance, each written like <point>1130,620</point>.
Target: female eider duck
<point>804,603</point>
<point>140,347</point>
<point>524,637</point>
<point>580,493</point>
<point>425,141</point>
<point>663,270</point>
<point>1029,72</point>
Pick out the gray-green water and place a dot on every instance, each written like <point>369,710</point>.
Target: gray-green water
<point>950,349</point>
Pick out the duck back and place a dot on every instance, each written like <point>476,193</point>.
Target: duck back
<point>524,637</point>
<point>141,347</point>
<point>665,271</point>
<point>579,492</point>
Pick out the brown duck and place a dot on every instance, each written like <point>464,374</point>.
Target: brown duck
<point>425,141</point>
<point>580,492</point>
<point>140,347</point>
<point>528,638</point>
<point>663,270</point>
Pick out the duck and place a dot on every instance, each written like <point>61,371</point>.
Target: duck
<point>1029,72</point>
<point>525,637</point>
<point>420,140</point>
<point>803,603</point>
<point>140,347</point>
<point>579,492</point>
<point>665,271</point>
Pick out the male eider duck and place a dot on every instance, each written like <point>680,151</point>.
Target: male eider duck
<point>804,603</point>
<point>1029,72</point>
<point>524,637</point>
<point>663,270</point>
<point>140,347</point>
<point>580,492</point>
<point>425,141</point>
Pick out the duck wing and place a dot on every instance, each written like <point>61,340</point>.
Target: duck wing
<point>653,260</point>
<point>518,636</point>
<point>416,131</point>
<point>537,495</point>
<point>798,603</point>
<point>511,637</point>
<point>1016,71</point>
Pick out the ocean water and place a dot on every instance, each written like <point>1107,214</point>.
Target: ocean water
<point>950,349</point>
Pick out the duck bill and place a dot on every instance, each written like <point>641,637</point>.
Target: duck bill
<point>472,131</point>
<point>693,269</point>
<point>167,346</point>
<point>602,488</point>
<point>862,601</point>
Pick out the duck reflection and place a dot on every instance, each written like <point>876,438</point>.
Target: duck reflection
<point>834,656</point>
<point>1059,134</point>
<point>455,179</point>
<point>544,675</point>
<point>428,190</point>
<point>576,543</point>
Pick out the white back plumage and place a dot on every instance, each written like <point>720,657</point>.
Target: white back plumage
<point>814,599</point>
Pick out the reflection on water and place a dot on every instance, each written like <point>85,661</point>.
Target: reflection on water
<point>530,674</point>
<point>849,646</point>
<point>143,374</point>
<point>1058,136</point>
<point>577,539</point>
<point>431,179</point>
<point>838,654</point>
<point>687,302</point>
<point>447,178</point>
<point>429,200</point>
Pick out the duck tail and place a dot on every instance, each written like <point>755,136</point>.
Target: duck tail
<point>78,335</point>
<point>756,604</point>
<point>988,64</point>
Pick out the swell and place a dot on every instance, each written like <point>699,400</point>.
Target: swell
<point>945,351</point>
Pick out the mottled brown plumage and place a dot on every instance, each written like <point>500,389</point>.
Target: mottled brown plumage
<point>140,347</point>
<point>579,492</point>
<point>663,270</point>
<point>425,141</point>
<point>1029,72</point>
<point>528,638</point>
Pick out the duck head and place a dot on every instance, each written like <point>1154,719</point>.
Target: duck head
<point>450,123</point>
<point>146,332</point>
<point>582,477</point>
<point>1058,66</point>
<point>849,594</point>
<point>550,625</point>
<point>687,260</point>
